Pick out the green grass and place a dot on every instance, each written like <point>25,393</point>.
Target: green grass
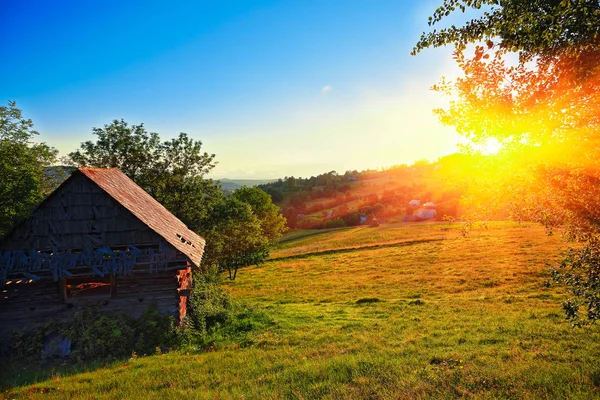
<point>460,317</point>
<point>300,234</point>
<point>303,242</point>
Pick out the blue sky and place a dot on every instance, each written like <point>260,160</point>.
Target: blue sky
<point>274,88</point>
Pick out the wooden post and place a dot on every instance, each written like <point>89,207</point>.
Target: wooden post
<point>113,286</point>
<point>62,289</point>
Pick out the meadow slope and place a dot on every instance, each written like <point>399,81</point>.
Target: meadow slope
<point>398,311</point>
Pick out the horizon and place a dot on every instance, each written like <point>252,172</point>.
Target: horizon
<point>273,89</point>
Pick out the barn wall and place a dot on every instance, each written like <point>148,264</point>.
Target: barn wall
<point>76,216</point>
<point>26,303</point>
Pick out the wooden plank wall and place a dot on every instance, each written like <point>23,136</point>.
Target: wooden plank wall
<point>27,303</point>
<point>79,215</point>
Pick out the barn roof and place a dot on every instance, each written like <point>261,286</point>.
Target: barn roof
<point>149,211</point>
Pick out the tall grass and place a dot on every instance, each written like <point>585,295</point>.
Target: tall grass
<point>460,317</point>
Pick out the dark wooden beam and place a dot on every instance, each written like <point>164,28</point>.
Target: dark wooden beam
<point>62,289</point>
<point>113,286</point>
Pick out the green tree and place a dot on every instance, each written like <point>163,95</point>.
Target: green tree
<point>22,164</point>
<point>291,183</point>
<point>544,109</point>
<point>273,224</point>
<point>550,97</point>
<point>173,171</point>
<point>533,28</point>
<point>242,228</point>
<point>235,237</point>
<point>119,145</point>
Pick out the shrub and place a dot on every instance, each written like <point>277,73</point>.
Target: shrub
<point>213,318</point>
<point>96,335</point>
<point>209,305</point>
<point>27,344</point>
<point>334,223</point>
<point>351,219</point>
<point>154,330</point>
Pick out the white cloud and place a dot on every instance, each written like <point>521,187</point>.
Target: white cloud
<point>326,89</point>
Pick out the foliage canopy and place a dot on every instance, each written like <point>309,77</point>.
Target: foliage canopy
<point>532,27</point>
<point>543,108</point>
<point>22,164</point>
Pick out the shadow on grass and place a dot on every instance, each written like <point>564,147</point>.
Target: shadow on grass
<point>311,232</point>
<point>356,248</point>
<point>15,374</point>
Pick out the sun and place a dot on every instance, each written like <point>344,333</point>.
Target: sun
<point>490,147</point>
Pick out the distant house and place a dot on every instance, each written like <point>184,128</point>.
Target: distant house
<point>98,238</point>
<point>427,211</point>
<point>351,179</point>
<point>414,203</point>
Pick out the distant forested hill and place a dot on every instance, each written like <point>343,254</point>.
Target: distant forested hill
<point>333,200</point>
<point>56,174</point>
<point>234,184</point>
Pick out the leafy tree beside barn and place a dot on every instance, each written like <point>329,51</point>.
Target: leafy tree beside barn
<point>22,164</point>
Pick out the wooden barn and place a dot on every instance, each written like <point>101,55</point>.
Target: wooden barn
<point>100,238</point>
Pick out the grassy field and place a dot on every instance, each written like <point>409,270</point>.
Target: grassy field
<point>399,311</point>
<point>304,242</point>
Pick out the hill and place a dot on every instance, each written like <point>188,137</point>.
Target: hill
<point>398,311</point>
<point>234,184</point>
<point>352,198</point>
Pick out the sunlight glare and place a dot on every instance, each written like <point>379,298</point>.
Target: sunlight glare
<point>491,146</point>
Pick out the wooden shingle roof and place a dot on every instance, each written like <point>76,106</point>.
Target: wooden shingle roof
<point>149,211</point>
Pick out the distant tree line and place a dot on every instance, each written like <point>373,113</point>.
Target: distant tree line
<point>325,198</point>
<point>325,185</point>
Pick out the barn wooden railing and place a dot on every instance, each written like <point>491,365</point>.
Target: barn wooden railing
<point>59,264</point>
